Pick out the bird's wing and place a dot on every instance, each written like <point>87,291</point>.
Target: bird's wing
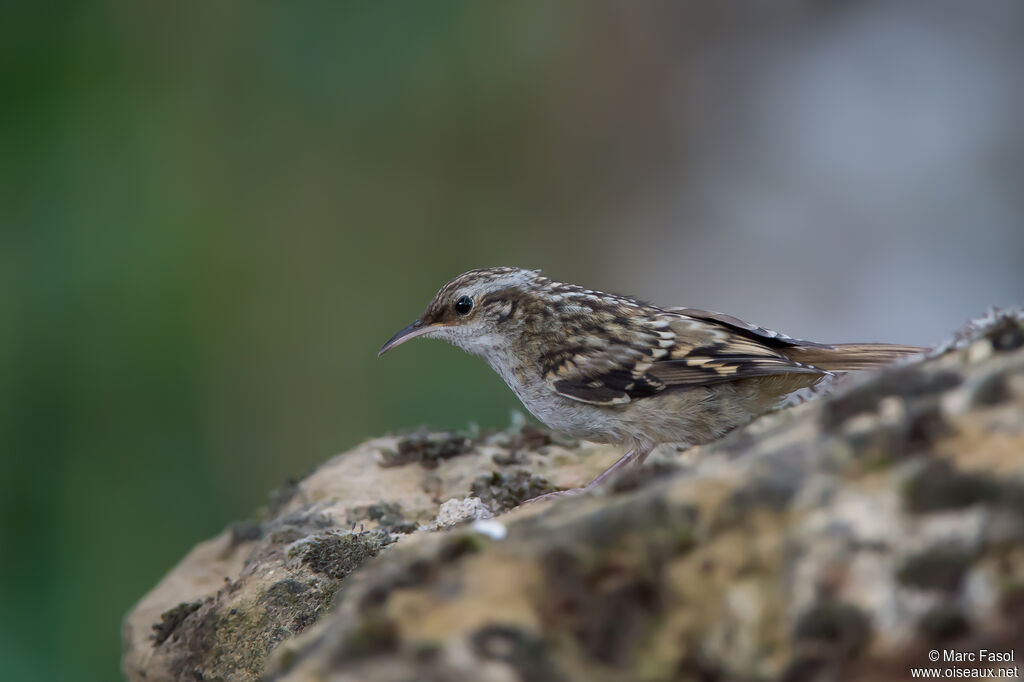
<point>662,352</point>
<point>768,337</point>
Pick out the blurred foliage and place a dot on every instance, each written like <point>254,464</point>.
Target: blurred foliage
<point>213,216</point>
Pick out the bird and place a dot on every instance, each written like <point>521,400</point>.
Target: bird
<point>613,369</point>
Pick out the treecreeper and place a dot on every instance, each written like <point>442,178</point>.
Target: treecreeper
<point>613,369</point>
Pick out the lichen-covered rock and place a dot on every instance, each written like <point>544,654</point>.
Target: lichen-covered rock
<point>235,597</point>
<point>840,539</point>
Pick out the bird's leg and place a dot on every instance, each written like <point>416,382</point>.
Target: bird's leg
<point>635,455</point>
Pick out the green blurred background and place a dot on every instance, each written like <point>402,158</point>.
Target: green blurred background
<point>213,214</point>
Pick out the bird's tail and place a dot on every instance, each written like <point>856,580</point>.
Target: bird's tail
<point>845,357</point>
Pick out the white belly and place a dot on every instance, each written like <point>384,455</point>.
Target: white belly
<point>579,420</point>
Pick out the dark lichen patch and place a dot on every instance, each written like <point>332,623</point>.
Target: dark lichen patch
<point>232,640</point>
<point>844,628</point>
<point>286,658</point>
<point>336,555</point>
<point>606,600</point>
<point>524,651</point>
<point>461,544</point>
<point>504,459</point>
<point>943,622</point>
<point>637,477</point>
<point>774,483</point>
<point>207,656</point>
<point>1011,605</point>
<point>425,652</point>
<point>906,382</point>
<point>283,593</point>
<point>925,426</point>
<point>295,526</point>
<point>292,605</point>
<point>418,571</point>
<point>1006,334</point>
<point>939,485</point>
<point>171,619</point>
<point>700,667</point>
<point>388,515</point>
<point>245,531</point>
<point>1012,496</point>
<point>279,497</point>
<point>501,491</point>
<point>809,665</point>
<point>670,530</point>
<point>285,535</point>
<point>375,634</point>
<point>428,449</point>
<point>939,568</point>
<point>605,583</point>
<point>990,389</point>
<point>415,573</point>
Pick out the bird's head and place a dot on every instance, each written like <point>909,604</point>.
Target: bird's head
<point>477,311</point>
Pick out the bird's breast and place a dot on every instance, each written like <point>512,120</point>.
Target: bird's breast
<point>577,419</point>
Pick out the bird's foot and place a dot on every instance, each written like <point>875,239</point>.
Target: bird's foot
<point>636,456</point>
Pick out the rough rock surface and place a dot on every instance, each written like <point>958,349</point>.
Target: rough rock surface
<point>840,539</point>
<point>235,597</point>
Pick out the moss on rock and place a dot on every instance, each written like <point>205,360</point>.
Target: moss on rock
<point>503,491</point>
<point>171,619</point>
<point>337,554</point>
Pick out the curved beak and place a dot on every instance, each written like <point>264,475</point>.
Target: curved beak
<point>415,329</point>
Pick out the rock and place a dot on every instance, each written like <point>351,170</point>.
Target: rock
<point>841,538</point>
<point>235,597</point>
<point>454,512</point>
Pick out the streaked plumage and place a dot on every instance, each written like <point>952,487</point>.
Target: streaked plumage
<point>610,368</point>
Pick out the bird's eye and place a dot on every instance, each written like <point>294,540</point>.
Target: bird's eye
<point>463,305</point>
